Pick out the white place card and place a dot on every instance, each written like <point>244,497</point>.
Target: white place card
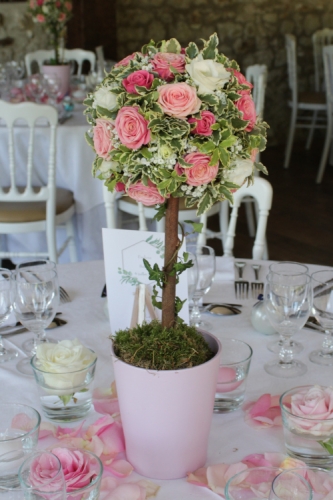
<point>124,251</point>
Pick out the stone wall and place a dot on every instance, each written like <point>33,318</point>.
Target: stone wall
<point>250,31</point>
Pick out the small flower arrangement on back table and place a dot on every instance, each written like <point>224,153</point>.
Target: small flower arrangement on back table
<point>169,123</point>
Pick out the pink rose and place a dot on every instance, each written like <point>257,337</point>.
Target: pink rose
<point>200,172</point>
<point>32,4</point>
<point>58,5</point>
<point>242,81</point>
<point>142,78</point>
<point>45,473</point>
<point>246,106</point>
<point>127,59</point>
<point>147,195</point>
<point>203,124</point>
<point>120,187</point>
<point>62,17</point>
<point>103,137</point>
<point>78,471</point>
<point>69,6</point>
<point>163,60</point>
<point>40,18</point>
<point>132,128</point>
<point>178,99</point>
<point>314,406</point>
<point>40,3</point>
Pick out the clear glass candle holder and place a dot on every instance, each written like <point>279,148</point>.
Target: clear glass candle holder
<point>251,484</point>
<point>65,396</point>
<point>307,437</point>
<point>19,428</point>
<point>234,367</point>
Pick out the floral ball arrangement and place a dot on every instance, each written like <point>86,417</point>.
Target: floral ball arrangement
<point>173,121</point>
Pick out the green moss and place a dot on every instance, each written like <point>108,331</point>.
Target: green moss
<point>153,347</point>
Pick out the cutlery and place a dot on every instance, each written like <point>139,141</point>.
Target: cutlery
<point>313,326</point>
<point>64,297</point>
<point>56,322</point>
<point>257,286</point>
<point>6,328</point>
<point>222,310</point>
<point>241,286</point>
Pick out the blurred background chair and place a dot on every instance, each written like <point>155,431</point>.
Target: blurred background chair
<point>78,56</point>
<point>39,57</point>
<point>26,204</point>
<point>320,39</point>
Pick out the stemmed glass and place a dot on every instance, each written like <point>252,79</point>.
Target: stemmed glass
<point>288,300</point>
<point>6,305</point>
<point>289,485</point>
<point>35,87</point>
<point>192,275</point>
<point>287,268</point>
<point>322,287</point>
<point>53,88</point>
<point>205,257</point>
<point>36,300</point>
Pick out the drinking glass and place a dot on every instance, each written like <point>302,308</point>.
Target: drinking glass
<point>287,268</point>
<point>205,257</point>
<point>251,484</point>
<point>35,87</point>
<point>192,275</point>
<point>41,477</point>
<point>288,300</point>
<point>322,287</point>
<point>36,300</point>
<point>6,306</point>
<point>53,88</point>
<point>290,485</point>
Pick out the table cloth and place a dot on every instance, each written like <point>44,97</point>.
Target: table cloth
<point>231,439</point>
<point>74,160</point>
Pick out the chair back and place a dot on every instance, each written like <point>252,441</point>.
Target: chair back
<point>110,207</point>
<point>261,190</point>
<point>328,73</point>
<point>292,66</point>
<point>79,56</point>
<point>320,39</point>
<point>39,56</point>
<point>257,75</point>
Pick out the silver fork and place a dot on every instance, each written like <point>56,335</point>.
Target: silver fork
<point>257,286</point>
<point>241,286</point>
<point>64,297</point>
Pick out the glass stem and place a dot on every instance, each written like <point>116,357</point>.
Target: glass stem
<point>2,347</point>
<point>327,346</point>
<point>195,314</point>
<point>286,353</point>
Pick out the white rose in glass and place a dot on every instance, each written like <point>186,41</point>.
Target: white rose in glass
<point>242,169</point>
<point>64,365</point>
<point>209,75</point>
<point>105,99</point>
<point>314,406</point>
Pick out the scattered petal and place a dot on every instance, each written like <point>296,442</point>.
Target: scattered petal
<point>265,412</point>
<point>63,432</point>
<point>120,468</point>
<point>128,491</point>
<point>151,488</point>
<point>99,426</point>
<point>46,429</point>
<point>23,422</point>
<point>198,477</point>
<point>105,401</point>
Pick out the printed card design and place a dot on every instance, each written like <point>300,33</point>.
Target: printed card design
<point>124,251</point>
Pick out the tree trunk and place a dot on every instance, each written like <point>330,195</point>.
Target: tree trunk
<point>170,257</point>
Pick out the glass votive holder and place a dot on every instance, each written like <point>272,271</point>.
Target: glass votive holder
<point>65,396</point>
<point>19,428</point>
<point>41,476</point>
<point>290,484</point>
<point>307,417</point>
<point>234,367</point>
<point>320,480</point>
<point>251,484</point>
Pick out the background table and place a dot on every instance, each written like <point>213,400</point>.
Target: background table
<point>74,160</point>
<point>231,439</point>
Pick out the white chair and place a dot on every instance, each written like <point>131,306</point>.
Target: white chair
<point>320,39</point>
<point>110,205</point>
<point>261,190</point>
<point>257,75</point>
<point>77,55</point>
<point>30,205</point>
<point>328,72</point>
<point>312,101</point>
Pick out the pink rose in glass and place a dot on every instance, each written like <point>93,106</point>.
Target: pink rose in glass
<point>163,60</point>
<point>127,59</point>
<point>132,128</point>
<point>147,195</point>
<point>45,473</point>
<point>178,100</point>
<point>242,81</point>
<point>203,124</point>
<point>246,106</point>
<point>200,172</point>
<point>77,468</point>
<point>142,78</point>
<point>102,137</point>
<point>315,407</point>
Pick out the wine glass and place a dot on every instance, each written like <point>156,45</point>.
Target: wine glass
<point>6,305</point>
<point>205,257</point>
<point>192,275</point>
<point>290,485</point>
<point>288,300</point>
<point>36,299</point>
<point>287,268</point>
<point>53,88</point>
<point>322,287</point>
<point>35,87</point>
<point>41,476</point>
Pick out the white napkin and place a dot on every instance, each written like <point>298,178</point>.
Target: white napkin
<point>225,269</point>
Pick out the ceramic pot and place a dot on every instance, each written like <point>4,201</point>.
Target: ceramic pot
<point>62,72</point>
<point>166,415</point>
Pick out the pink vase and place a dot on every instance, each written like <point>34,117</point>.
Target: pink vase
<point>62,72</point>
<point>166,415</point>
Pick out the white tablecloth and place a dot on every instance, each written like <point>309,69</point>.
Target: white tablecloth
<point>74,160</point>
<point>231,439</point>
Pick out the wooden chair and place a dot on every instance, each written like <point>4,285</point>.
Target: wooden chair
<point>76,55</point>
<point>26,205</point>
<point>313,102</point>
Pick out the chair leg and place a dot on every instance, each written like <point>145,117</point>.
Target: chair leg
<point>324,155</point>
<point>142,218</point>
<point>290,138</point>
<point>202,237</point>
<point>311,131</point>
<point>249,217</point>
<point>224,220</point>
<point>71,243</point>
<point>51,242</point>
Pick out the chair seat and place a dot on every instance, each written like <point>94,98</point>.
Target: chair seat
<point>11,212</point>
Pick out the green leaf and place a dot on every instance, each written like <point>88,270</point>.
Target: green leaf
<point>88,102</point>
<point>239,124</point>
<point>171,45</point>
<point>327,445</point>
<point>192,50</point>
<point>223,190</point>
<point>160,212</point>
<point>227,143</point>
<point>185,256</point>
<point>205,202</point>
<point>210,99</point>
<point>224,157</point>
<point>207,147</point>
<point>261,167</point>
<point>196,226</point>
<point>145,153</point>
<point>183,163</point>
<point>164,184</point>
<point>215,157</point>
<point>89,140</point>
<point>105,112</point>
<point>210,50</point>
<point>66,398</point>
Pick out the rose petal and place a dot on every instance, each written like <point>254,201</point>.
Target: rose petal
<point>113,439</point>
<point>120,468</point>
<point>261,405</point>
<point>46,429</point>
<point>151,488</point>
<point>23,422</point>
<point>99,426</point>
<point>129,491</point>
<point>63,432</point>
<point>198,477</point>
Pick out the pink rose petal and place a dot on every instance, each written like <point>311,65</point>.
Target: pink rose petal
<point>113,439</point>
<point>63,432</point>
<point>23,422</point>
<point>198,477</point>
<point>129,491</point>
<point>46,429</point>
<point>120,468</point>
<point>99,426</point>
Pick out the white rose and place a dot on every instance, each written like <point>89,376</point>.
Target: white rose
<point>242,169</point>
<point>45,9</point>
<point>105,99</point>
<point>64,365</point>
<point>207,74</point>
<point>106,166</point>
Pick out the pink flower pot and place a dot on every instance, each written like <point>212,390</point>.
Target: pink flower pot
<point>166,415</point>
<point>62,72</point>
